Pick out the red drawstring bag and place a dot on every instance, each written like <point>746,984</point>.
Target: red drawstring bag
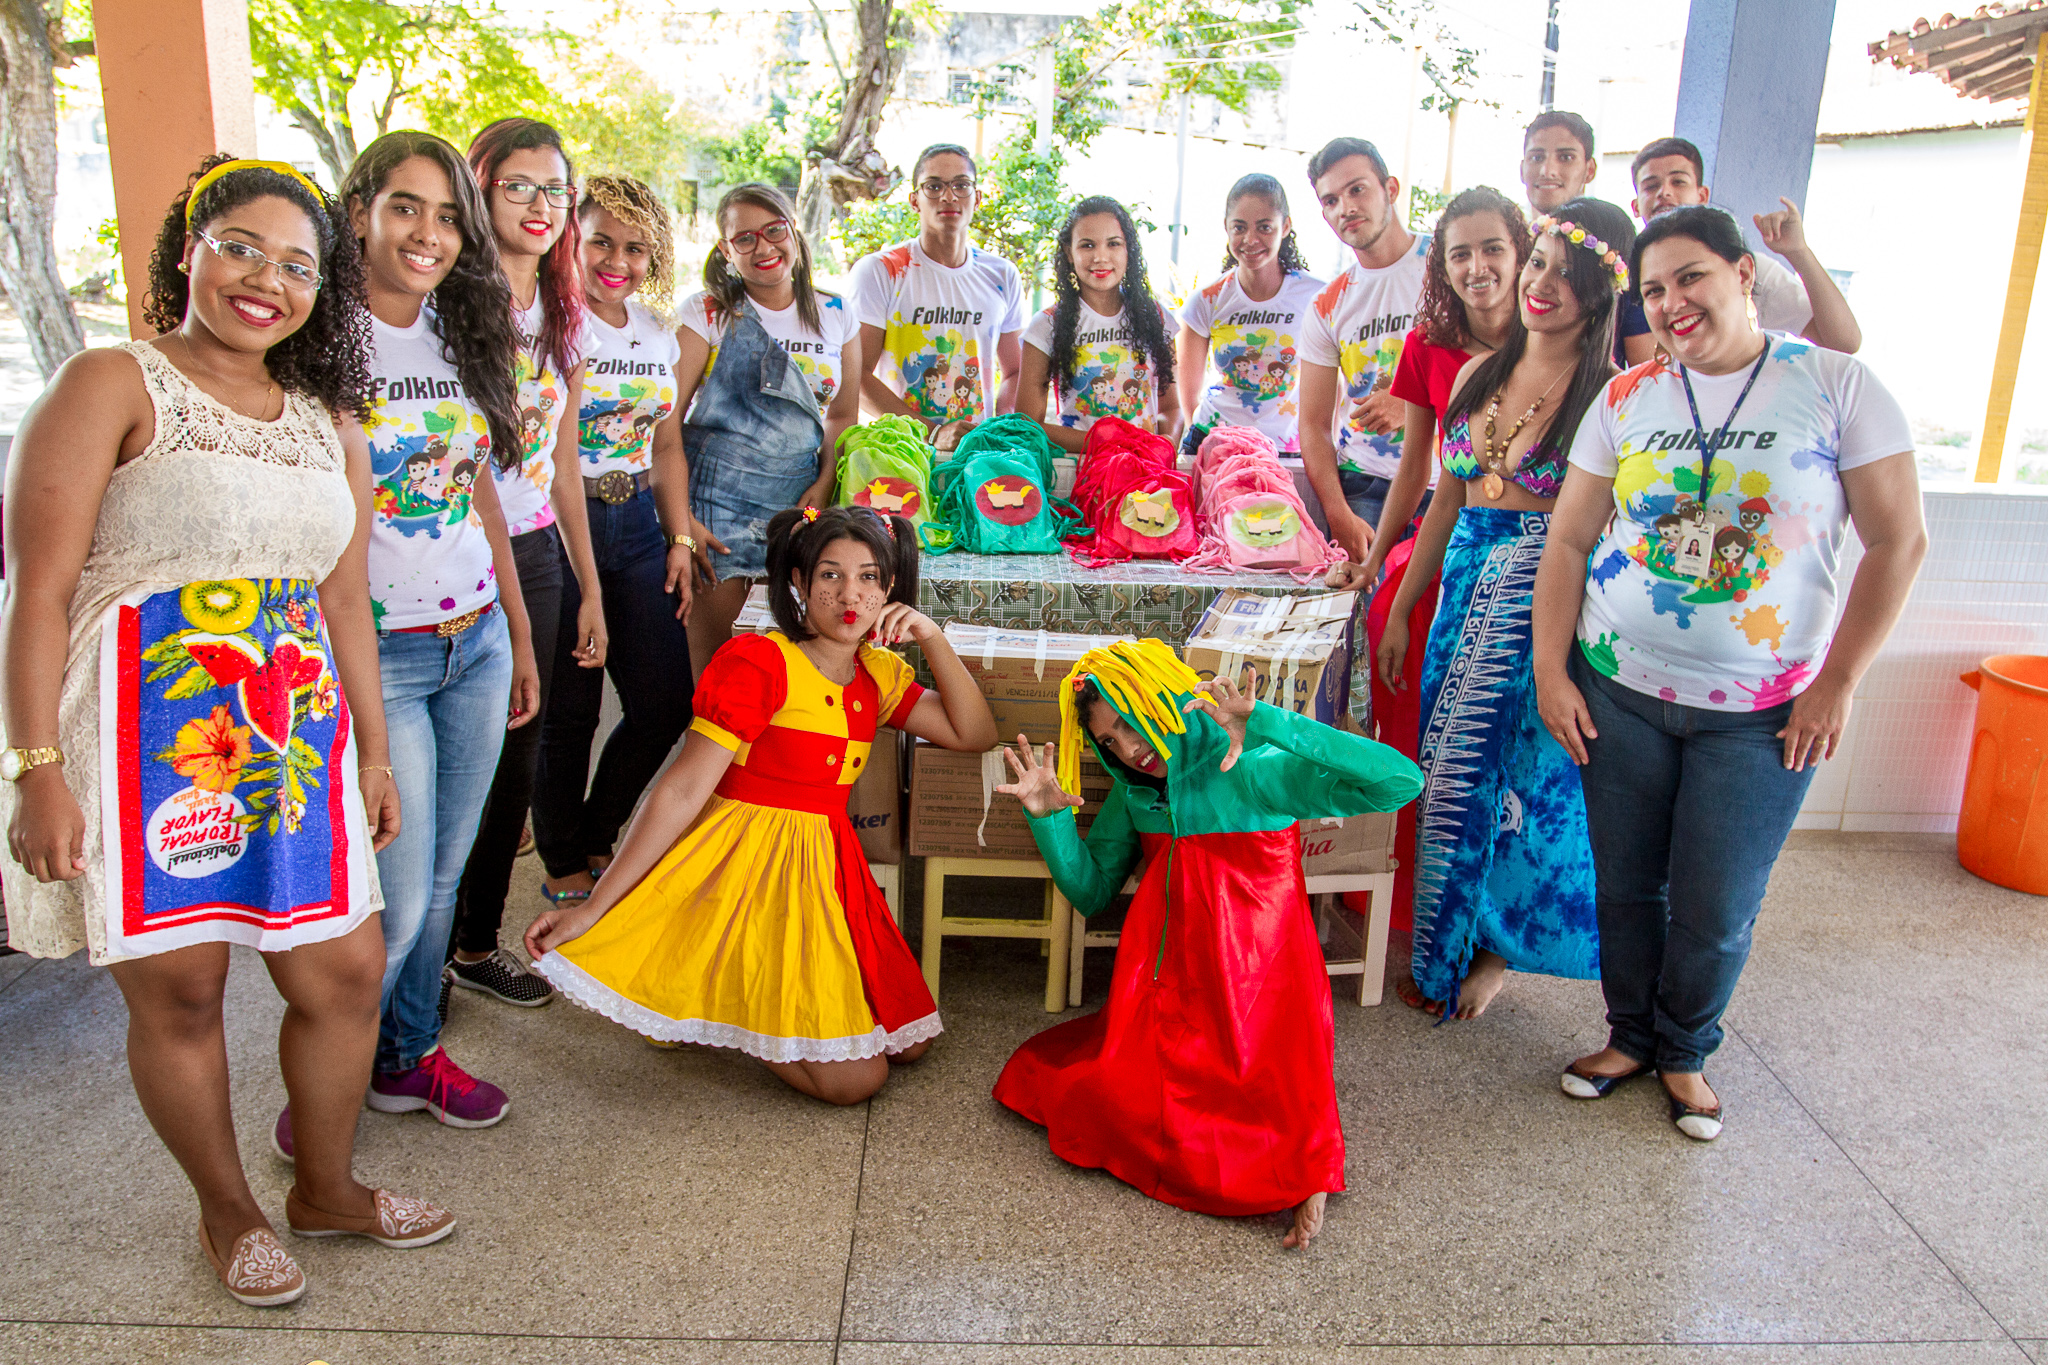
<point>1128,490</point>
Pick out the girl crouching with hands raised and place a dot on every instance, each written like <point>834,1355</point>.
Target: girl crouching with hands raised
<point>739,911</point>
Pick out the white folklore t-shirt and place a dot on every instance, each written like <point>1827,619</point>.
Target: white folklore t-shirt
<point>1752,632</point>
<point>629,385</point>
<point>1254,346</point>
<point>1356,328</point>
<point>1781,301</point>
<point>817,354</point>
<point>523,491</point>
<point>1110,379</point>
<point>429,443</point>
<point>940,325</point>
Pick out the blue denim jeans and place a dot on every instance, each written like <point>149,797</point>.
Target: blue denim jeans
<point>577,816</point>
<point>1688,809</point>
<point>444,703</point>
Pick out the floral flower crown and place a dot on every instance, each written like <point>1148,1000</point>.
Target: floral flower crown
<point>1578,236</point>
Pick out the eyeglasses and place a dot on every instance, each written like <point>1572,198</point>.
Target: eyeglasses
<point>744,242</point>
<point>294,273</point>
<point>522,191</point>
<point>936,190</point>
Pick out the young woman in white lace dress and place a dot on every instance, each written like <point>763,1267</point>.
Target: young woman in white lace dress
<point>191,686</point>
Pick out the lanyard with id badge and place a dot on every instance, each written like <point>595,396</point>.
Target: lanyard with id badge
<point>1694,556</point>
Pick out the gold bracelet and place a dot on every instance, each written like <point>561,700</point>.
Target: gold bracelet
<point>376,768</point>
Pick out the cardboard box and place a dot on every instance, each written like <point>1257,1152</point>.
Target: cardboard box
<point>947,810</point>
<point>876,803</point>
<point>1019,672</point>
<point>754,617</point>
<point>1300,647</point>
<point>1354,845</point>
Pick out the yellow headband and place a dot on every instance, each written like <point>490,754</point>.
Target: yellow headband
<point>1140,678</point>
<point>230,167</point>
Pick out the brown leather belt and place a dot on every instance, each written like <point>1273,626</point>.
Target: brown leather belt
<point>454,625</point>
<point>616,486</point>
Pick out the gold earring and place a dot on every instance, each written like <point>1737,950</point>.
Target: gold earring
<point>1749,301</point>
<point>184,269</point>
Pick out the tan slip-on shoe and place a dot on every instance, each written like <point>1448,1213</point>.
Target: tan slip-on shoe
<point>258,1272</point>
<point>400,1220</point>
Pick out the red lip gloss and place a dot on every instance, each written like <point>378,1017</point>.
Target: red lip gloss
<point>850,617</point>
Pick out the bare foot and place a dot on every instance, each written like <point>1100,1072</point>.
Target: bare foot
<point>1308,1221</point>
<point>1410,994</point>
<point>1489,973</point>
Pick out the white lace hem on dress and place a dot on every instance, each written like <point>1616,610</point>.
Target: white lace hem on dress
<point>587,991</point>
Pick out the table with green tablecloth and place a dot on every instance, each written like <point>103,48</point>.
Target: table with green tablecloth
<point>1144,597</point>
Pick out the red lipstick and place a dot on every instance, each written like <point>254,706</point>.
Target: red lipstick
<point>850,617</point>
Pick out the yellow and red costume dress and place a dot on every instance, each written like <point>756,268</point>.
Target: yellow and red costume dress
<point>762,929</point>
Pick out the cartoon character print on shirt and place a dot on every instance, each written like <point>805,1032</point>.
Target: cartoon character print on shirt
<point>621,427</point>
<point>539,396</point>
<point>1110,382</point>
<point>941,371</point>
<point>422,483</point>
<point>1754,528</point>
<point>1257,362</point>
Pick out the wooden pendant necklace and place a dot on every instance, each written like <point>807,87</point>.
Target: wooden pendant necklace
<point>1494,458</point>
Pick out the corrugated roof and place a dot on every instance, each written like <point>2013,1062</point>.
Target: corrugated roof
<point>1988,55</point>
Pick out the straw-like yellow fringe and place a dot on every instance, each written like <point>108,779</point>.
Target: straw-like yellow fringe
<point>1140,677</point>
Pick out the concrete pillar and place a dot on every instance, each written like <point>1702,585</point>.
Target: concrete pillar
<point>1749,87</point>
<point>175,78</point>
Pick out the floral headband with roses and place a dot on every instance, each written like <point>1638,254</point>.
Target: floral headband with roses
<point>1579,237</point>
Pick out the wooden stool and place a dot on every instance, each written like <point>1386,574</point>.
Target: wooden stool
<point>889,876</point>
<point>1371,968</point>
<point>1053,930</point>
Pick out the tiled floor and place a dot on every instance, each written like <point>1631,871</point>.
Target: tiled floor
<point>1881,1194</point>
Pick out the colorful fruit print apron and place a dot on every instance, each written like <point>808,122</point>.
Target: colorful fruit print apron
<point>230,802</point>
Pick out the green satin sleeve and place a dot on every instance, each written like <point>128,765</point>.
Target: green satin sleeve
<point>1308,770</point>
<point>1088,873</point>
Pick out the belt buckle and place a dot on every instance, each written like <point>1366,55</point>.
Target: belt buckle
<point>456,625</point>
<point>615,486</point>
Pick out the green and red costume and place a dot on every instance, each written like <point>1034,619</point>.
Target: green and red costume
<point>1206,1080</point>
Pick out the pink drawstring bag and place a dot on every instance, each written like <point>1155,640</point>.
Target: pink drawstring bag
<point>1249,513</point>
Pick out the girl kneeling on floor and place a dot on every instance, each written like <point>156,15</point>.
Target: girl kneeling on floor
<point>1206,1080</point>
<point>740,911</point>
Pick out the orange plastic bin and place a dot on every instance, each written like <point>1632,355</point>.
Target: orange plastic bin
<point>2002,835</point>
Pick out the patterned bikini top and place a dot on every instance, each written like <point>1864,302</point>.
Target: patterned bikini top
<point>1540,474</point>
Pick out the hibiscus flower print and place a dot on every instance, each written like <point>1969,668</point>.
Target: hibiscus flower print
<point>211,751</point>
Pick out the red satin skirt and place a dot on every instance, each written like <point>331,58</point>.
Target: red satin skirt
<point>1206,1080</point>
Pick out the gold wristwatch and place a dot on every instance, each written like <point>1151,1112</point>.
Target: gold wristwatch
<point>15,762</point>
<point>687,542</point>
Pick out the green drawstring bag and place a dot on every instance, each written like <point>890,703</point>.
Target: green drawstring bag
<point>887,465</point>
<point>997,497</point>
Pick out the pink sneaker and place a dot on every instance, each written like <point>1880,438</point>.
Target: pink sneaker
<point>443,1089</point>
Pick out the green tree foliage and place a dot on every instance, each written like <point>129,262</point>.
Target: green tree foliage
<point>1450,67</point>
<point>329,63</point>
<point>1208,50</point>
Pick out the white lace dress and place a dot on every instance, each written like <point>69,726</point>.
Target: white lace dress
<point>216,499</point>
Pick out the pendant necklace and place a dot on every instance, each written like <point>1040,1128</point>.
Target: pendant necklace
<point>1494,458</point>
<point>269,387</point>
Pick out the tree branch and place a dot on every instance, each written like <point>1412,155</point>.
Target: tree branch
<point>825,31</point>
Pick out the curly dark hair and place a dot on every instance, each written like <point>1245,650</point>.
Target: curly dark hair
<point>327,358</point>
<point>1148,329</point>
<point>472,307</point>
<point>1267,188</point>
<point>1440,313</point>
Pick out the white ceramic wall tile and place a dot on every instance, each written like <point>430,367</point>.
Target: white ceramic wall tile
<point>1982,591</point>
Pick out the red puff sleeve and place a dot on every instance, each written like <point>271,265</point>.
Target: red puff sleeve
<point>895,680</point>
<point>743,686</point>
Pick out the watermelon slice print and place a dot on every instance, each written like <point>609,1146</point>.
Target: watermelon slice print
<point>227,659</point>
<point>266,693</point>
